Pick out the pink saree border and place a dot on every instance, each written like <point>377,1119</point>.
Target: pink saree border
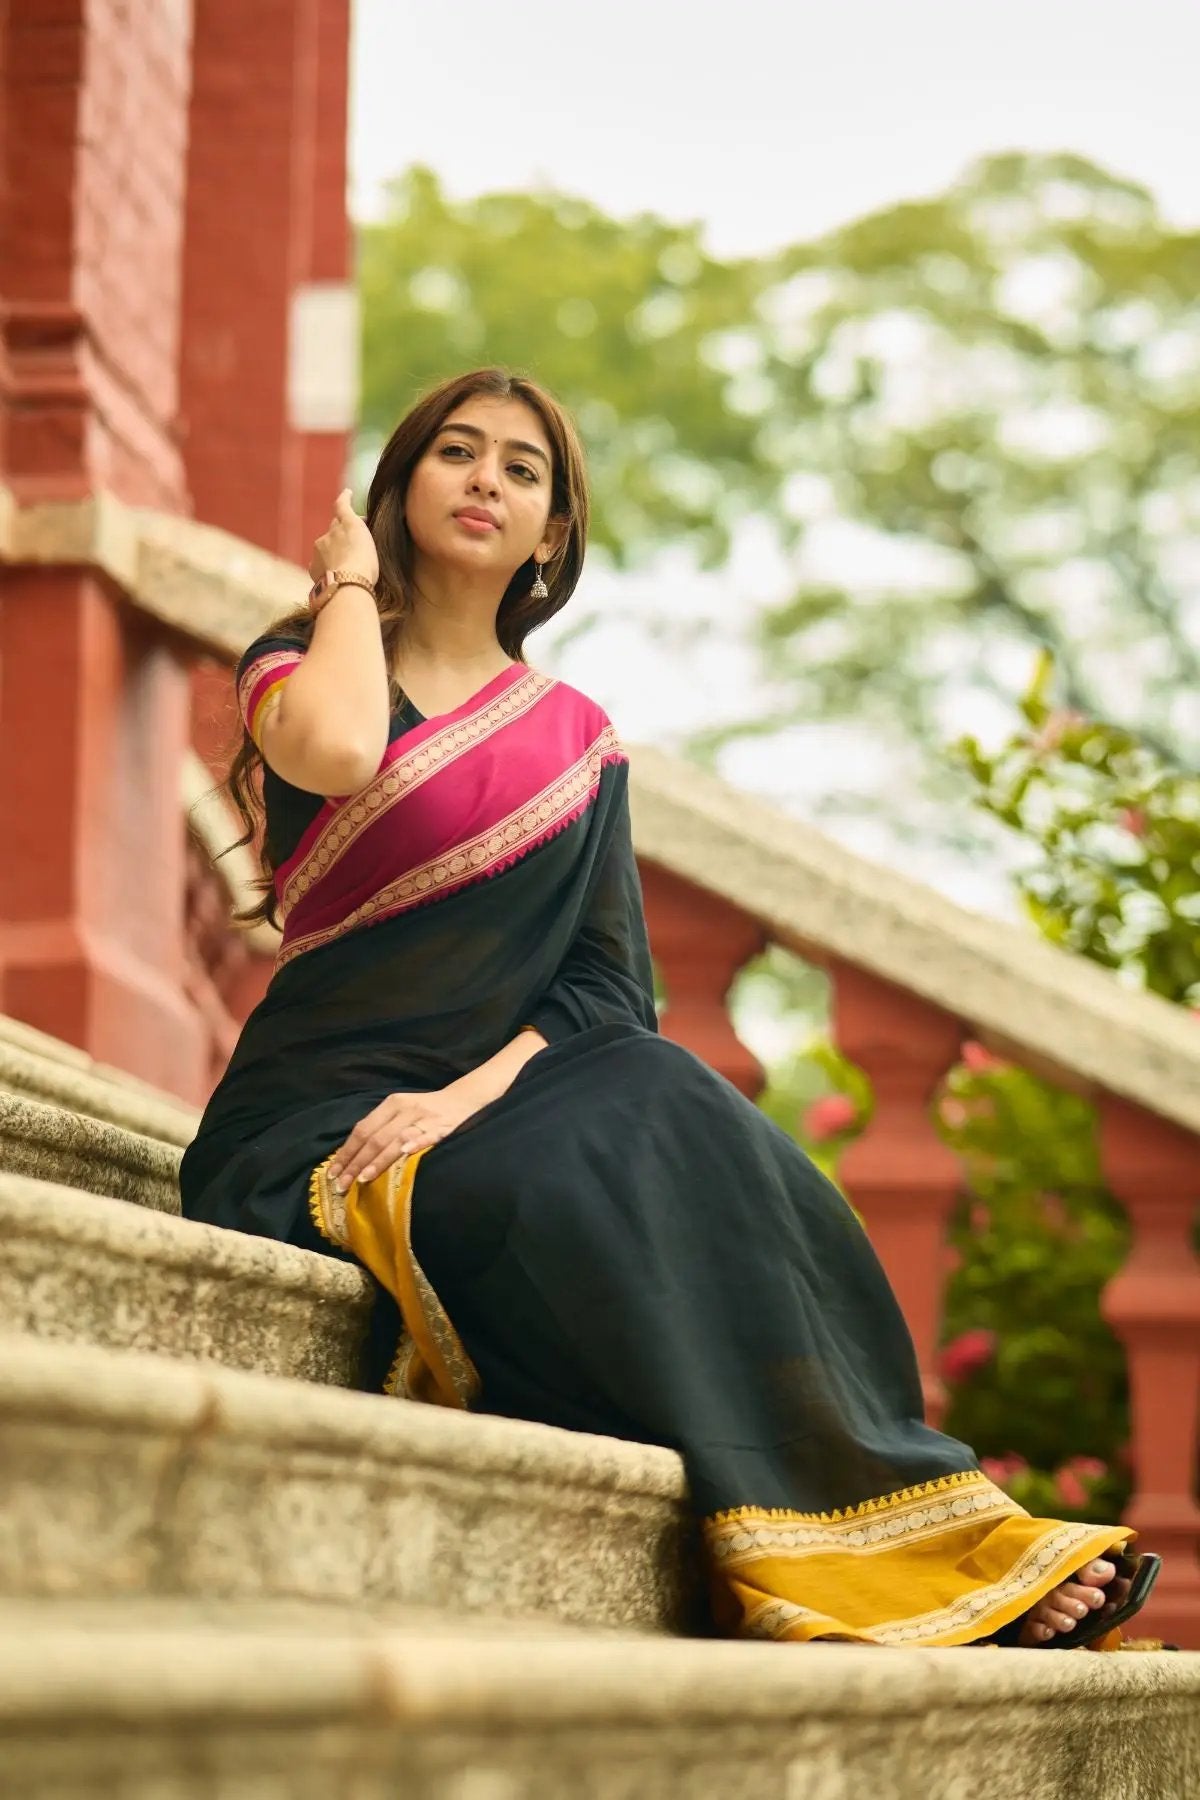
<point>407,764</point>
<point>558,804</point>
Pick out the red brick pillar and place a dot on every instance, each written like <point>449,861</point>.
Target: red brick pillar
<point>95,97</point>
<point>1153,1305</point>
<point>94,703</point>
<point>898,1173</point>
<point>270,341</point>
<point>700,943</point>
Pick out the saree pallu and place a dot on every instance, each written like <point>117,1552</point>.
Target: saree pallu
<point>621,1243</point>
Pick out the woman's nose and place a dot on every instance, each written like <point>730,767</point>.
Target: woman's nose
<point>486,476</point>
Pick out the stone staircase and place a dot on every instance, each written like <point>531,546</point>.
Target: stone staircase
<point>222,1575</point>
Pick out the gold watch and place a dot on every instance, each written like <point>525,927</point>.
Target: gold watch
<point>324,590</point>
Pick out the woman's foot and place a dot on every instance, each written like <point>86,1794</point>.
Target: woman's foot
<point>1061,1611</point>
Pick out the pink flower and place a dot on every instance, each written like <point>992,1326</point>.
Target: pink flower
<point>979,1060</point>
<point>964,1355</point>
<point>1088,1468</point>
<point>954,1112</point>
<point>1133,820</point>
<point>1071,1490</point>
<point>1002,1469</point>
<point>829,1116</point>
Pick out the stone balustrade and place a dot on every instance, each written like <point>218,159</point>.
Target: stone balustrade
<point>912,976</point>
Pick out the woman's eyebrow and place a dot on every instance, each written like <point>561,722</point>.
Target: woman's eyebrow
<point>476,431</point>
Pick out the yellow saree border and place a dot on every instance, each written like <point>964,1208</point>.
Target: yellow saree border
<point>373,1220</point>
<point>945,1563</point>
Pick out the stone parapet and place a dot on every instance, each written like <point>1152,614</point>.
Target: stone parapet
<point>80,1270</point>
<point>46,1069</point>
<point>55,1145</point>
<point>1053,1012</point>
<point>131,1476</point>
<point>121,1713</point>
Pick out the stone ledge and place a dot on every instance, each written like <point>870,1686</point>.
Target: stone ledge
<point>213,588</point>
<point>44,1069</point>
<point>1052,1011</point>
<point>77,1269</point>
<point>53,1144</point>
<point>137,1713</point>
<point>130,1475</point>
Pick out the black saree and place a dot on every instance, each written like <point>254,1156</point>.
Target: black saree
<point>621,1243</point>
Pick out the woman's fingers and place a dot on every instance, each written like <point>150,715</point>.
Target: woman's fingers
<point>377,1140</point>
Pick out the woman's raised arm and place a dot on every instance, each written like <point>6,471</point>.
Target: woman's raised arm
<point>328,727</point>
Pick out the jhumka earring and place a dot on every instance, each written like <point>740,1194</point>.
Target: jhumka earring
<point>539,590</point>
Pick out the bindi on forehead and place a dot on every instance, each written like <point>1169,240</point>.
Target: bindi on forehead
<point>480,435</point>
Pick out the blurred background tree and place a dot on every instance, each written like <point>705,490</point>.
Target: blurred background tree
<point>973,423</point>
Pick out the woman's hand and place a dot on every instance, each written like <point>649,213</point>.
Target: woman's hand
<point>347,544</point>
<point>398,1125</point>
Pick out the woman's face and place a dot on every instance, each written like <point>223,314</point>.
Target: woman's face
<point>490,457</point>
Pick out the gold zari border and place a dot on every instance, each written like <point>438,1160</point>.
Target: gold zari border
<point>529,824</point>
<point>373,1220</point>
<point>799,1576</point>
<point>402,778</point>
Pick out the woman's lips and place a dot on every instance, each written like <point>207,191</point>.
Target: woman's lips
<point>474,524</point>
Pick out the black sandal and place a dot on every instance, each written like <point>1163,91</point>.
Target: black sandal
<point>1141,1572</point>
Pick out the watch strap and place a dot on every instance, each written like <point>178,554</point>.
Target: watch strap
<point>323,590</point>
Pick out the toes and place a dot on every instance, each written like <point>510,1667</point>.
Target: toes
<point>1097,1573</point>
<point>1062,1621</point>
<point>1080,1600</point>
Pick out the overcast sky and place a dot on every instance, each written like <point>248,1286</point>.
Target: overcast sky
<point>771,121</point>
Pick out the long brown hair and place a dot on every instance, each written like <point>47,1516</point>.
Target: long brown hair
<point>519,613</point>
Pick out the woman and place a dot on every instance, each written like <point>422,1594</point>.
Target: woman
<point>455,1077</point>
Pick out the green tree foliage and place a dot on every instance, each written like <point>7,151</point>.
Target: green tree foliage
<point>1001,389</point>
<point>1117,876</point>
<point>621,319</point>
<point>993,395</point>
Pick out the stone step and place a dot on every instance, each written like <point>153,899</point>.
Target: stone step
<point>123,1712</point>
<point>56,1144</point>
<point>129,1475</point>
<point>47,1069</point>
<point>82,1270</point>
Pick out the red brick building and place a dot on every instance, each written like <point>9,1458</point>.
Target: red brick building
<point>176,330</point>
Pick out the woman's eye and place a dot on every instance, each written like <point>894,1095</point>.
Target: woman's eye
<point>526,471</point>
